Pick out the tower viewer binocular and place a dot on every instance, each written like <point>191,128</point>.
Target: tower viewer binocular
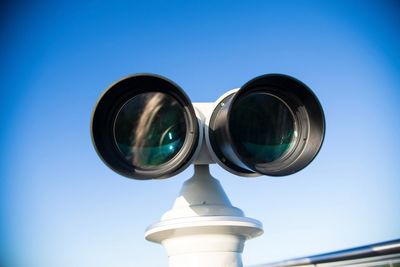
<point>145,127</point>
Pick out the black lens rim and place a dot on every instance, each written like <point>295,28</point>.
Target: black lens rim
<point>309,122</point>
<point>220,140</point>
<point>107,108</point>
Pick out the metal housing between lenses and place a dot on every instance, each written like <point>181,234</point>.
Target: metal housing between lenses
<point>274,125</point>
<point>145,127</point>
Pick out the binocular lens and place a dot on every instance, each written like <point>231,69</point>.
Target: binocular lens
<point>144,127</point>
<point>262,128</point>
<point>150,129</point>
<point>273,125</point>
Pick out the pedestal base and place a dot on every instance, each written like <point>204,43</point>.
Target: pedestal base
<point>203,228</point>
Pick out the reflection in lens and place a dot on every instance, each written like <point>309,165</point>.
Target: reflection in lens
<point>150,129</point>
<point>262,128</point>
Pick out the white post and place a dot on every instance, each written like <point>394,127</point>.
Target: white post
<point>203,228</point>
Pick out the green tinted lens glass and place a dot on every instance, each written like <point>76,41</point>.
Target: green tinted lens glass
<point>262,128</point>
<point>150,129</point>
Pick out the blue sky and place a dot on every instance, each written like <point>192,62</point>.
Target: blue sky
<point>60,206</point>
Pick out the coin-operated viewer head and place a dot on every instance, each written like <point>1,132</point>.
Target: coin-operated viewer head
<point>145,127</point>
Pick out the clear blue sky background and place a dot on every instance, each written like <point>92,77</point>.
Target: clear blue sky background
<point>61,206</point>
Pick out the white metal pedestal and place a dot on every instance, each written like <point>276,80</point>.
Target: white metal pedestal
<point>203,229</point>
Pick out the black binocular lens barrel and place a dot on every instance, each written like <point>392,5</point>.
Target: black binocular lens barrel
<point>145,127</point>
<point>274,125</point>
